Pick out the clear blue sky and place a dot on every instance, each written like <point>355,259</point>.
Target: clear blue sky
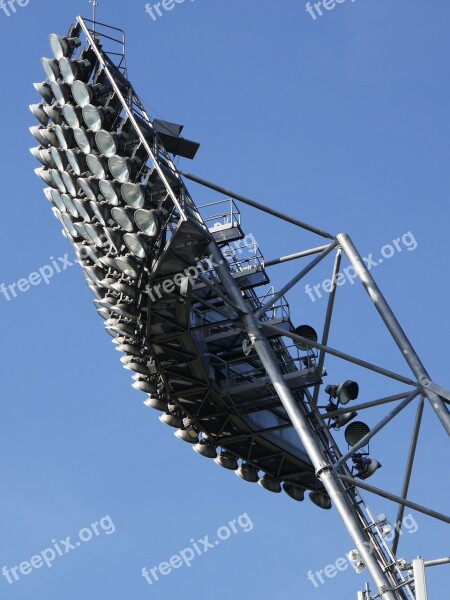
<point>340,121</point>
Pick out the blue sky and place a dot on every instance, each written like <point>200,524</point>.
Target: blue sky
<point>340,121</point>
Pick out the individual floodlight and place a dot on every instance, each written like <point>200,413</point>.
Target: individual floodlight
<point>63,46</point>
<point>110,191</point>
<point>44,156</point>
<point>89,185</point>
<point>114,238</point>
<point>365,466</point>
<point>72,116</point>
<point>144,386</point>
<point>57,180</point>
<point>98,117</point>
<point>307,332</point>
<point>83,209</point>
<point>74,69</point>
<point>43,135</point>
<point>147,221</point>
<point>128,266</point>
<point>61,92</point>
<point>356,559</point>
<point>343,392</point>
<point>248,473</point>
<point>172,417</point>
<point>136,244</point>
<point>340,420</point>
<point>85,94</point>
<point>296,492</point>
<point>355,432</point>
<point>81,231</point>
<point>137,367</point>
<point>131,349</point>
<point>70,208</point>
<point>96,274</point>
<point>45,91</point>
<point>97,165</point>
<point>270,484</point>
<point>95,232</point>
<point>124,310</point>
<point>205,448</point>
<point>101,212</point>
<point>133,194</point>
<point>55,198</point>
<point>122,328</point>
<point>69,183</point>
<point>65,136</point>
<point>188,432</point>
<point>107,143</point>
<point>156,403</point>
<point>54,113</point>
<point>320,499</point>
<point>69,224</point>
<point>59,159</point>
<point>51,68</point>
<point>108,262</point>
<point>122,168</point>
<point>84,140</point>
<point>77,161</point>
<point>39,113</point>
<point>123,217</point>
<point>86,251</point>
<point>226,460</point>
<point>125,289</point>
<point>184,435</point>
<point>46,176</point>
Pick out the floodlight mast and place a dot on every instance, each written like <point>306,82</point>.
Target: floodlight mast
<point>195,324</point>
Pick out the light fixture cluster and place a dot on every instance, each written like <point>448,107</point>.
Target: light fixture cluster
<point>188,431</point>
<point>103,189</point>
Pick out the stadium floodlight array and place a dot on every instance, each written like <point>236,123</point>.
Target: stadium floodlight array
<point>177,287</point>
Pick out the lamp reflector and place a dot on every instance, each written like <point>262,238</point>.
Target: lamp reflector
<point>51,68</point>
<point>248,473</point>
<point>106,143</point>
<point>45,91</point>
<point>120,168</point>
<point>227,461</point>
<point>270,484</point>
<point>39,113</point>
<point>110,191</point>
<point>133,194</point>
<point>63,46</point>
<point>84,140</point>
<point>72,116</point>
<point>307,332</point>
<point>147,221</point>
<point>123,218</point>
<point>296,492</point>
<point>320,499</point>
<point>355,432</point>
<point>135,244</point>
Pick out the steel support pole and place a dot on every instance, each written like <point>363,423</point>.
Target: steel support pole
<point>334,487</point>
<point>420,581</point>
<point>408,472</point>
<point>394,327</point>
<point>266,209</point>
